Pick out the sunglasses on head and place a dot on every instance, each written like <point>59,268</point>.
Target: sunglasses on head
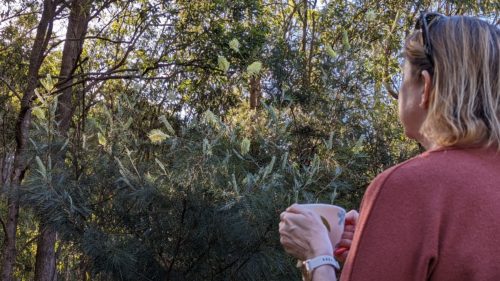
<point>425,20</point>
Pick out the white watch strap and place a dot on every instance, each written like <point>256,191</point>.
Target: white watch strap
<point>313,263</point>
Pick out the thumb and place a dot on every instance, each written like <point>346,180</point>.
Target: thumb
<point>351,218</point>
<point>295,208</point>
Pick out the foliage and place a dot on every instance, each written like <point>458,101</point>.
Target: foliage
<point>167,172</point>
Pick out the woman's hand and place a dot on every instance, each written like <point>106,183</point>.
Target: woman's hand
<point>303,234</point>
<point>344,245</point>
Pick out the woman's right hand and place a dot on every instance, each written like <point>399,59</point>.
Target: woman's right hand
<point>303,234</point>
<point>344,245</point>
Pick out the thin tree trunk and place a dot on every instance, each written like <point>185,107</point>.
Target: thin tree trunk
<point>44,31</point>
<point>304,43</point>
<point>45,267</point>
<point>77,29</point>
<point>311,46</point>
<point>255,92</point>
<point>6,169</point>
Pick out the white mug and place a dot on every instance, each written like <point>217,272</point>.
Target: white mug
<point>333,217</point>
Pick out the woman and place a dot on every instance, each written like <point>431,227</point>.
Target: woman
<point>436,216</point>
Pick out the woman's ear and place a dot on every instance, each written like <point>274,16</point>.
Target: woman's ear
<point>426,79</point>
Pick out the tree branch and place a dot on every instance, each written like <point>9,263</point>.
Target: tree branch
<point>10,87</point>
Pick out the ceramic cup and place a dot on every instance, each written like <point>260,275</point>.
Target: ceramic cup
<point>333,218</point>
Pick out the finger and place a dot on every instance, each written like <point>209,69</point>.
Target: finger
<point>294,219</point>
<point>349,228</point>
<point>295,208</point>
<point>282,216</point>
<point>344,243</point>
<point>281,227</point>
<point>283,239</point>
<point>285,227</point>
<point>289,224</point>
<point>351,218</point>
<point>347,235</point>
<point>288,217</point>
<point>300,210</point>
<point>339,251</point>
<point>342,257</point>
<point>286,240</point>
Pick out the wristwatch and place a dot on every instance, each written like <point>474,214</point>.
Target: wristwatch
<point>310,265</point>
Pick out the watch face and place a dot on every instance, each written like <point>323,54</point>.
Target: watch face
<point>307,266</point>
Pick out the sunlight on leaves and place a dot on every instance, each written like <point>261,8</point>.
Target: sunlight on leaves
<point>254,68</point>
<point>223,63</point>
<point>235,45</point>
<point>245,146</point>
<point>38,112</point>
<point>157,136</point>
<point>101,139</point>
<point>370,15</point>
<point>330,51</point>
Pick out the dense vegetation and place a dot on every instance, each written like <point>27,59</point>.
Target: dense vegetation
<point>160,140</point>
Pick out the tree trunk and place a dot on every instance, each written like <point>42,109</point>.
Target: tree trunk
<point>304,42</point>
<point>43,33</point>
<point>255,92</point>
<point>311,48</point>
<point>45,268</point>
<point>6,169</point>
<point>77,29</point>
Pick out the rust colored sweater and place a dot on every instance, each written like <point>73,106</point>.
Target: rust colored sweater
<point>434,217</point>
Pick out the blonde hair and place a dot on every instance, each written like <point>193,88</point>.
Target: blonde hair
<point>464,103</point>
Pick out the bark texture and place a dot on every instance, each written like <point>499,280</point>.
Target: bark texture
<point>45,267</point>
<point>43,33</point>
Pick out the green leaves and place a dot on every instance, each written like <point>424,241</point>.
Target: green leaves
<point>223,63</point>
<point>254,68</point>
<point>330,52</point>
<point>38,112</point>
<point>157,136</point>
<point>345,40</point>
<point>329,142</point>
<point>245,146</point>
<point>235,45</point>
<point>394,23</point>
<point>207,147</point>
<point>370,15</point>
<point>269,167</point>
<point>41,167</point>
<point>165,122</point>
<point>210,118</point>
<point>358,147</point>
<point>48,83</point>
<point>101,139</point>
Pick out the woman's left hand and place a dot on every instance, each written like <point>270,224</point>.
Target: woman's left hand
<point>303,234</point>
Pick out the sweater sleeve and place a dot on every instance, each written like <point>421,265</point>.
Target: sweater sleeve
<point>393,240</point>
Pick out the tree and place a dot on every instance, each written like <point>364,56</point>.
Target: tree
<point>77,29</point>
<point>44,31</point>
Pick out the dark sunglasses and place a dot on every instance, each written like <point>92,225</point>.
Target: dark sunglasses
<point>425,20</point>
